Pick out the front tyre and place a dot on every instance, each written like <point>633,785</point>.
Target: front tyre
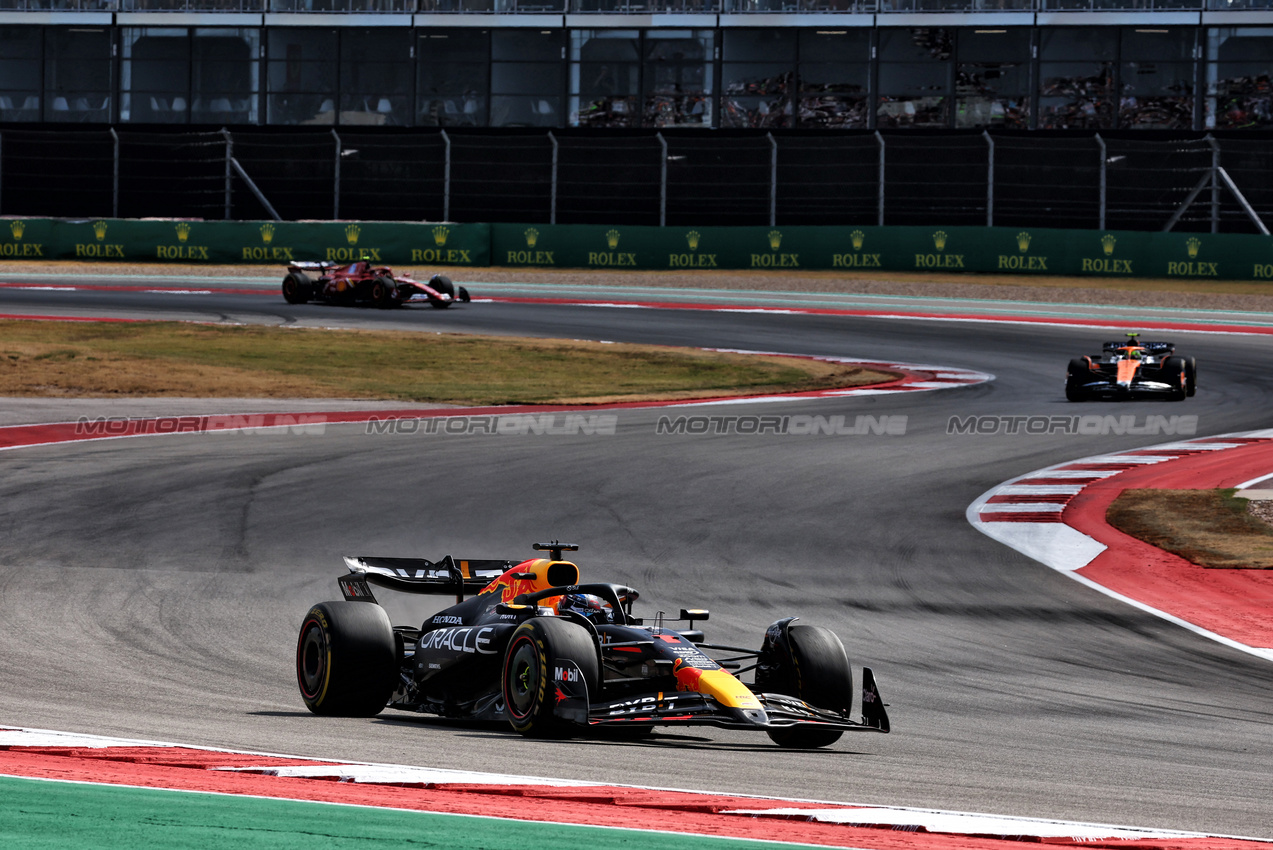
<point>441,284</point>
<point>534,651</point>
<point>1191,375</point>
<point>346,663</point>
<point>817,672</point>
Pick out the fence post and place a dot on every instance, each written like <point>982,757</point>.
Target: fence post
<point>1104,162</point>
<point>662,181</point>
<point>229,170</point>
<point>880,202</point>
<point>552,207</point>
<point>990,180</point>
<point>773,180</point>
<point>115,175</point>
<point>1,168</point>
<point>1215,183</point>
<point>336,179</point>
<point>446,179</point>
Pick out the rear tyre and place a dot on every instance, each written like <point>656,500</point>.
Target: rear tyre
<point>819,674</point>
<point>346,663</point>
<point>1191,375</point>
<point>382,292</point>
<point>297,288</point>
<point>1175,372</point>
<point>1074,379</point>
<point>536,647</point>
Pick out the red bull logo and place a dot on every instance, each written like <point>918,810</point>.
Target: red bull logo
<point>687,677</point>
<point>530,576</point>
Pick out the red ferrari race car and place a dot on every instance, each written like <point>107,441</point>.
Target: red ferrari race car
<point>363,283</point>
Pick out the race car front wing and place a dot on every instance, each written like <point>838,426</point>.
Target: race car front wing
<point>777,711</point>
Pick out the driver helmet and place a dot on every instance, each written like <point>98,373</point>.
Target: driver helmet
<point>590,607</point>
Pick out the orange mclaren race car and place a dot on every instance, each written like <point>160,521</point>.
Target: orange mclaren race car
<point>1132,369</point>
<point>363,283</point>
<point>550,656</point>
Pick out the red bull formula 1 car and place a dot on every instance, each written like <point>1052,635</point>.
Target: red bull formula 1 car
<point>551,656</point>
<point>1132,369</point>
<point>363,283</point>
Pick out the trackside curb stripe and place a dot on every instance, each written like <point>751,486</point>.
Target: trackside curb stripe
<point>1227,606</point>
<point>78,758</point>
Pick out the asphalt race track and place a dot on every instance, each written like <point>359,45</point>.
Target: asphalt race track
<point>152,587</point>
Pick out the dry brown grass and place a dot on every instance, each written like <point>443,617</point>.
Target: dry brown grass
<point>109,359</point>
<point>1211,528</point>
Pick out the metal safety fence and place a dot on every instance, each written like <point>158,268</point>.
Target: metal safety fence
<point>1129,182</point>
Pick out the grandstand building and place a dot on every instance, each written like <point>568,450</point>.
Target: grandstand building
<point>1183,65</point>
<point>1133,114</point>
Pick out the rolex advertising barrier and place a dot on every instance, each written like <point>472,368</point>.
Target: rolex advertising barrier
<point>993,250</point>
<point>387,243</point>
<point>984,250</point>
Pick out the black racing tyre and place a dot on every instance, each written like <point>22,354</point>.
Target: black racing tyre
<point>533,651</point>
<point>1174,371</point>
<point>297,288</point>
<point>441,283</point>
<point>821,676</point>
<point>346,662</point>
<point>1191,375</point>
<point>1074,379</point>
<point>382,293</point>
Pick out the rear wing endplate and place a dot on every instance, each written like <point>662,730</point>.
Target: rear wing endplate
<point>419,575</point>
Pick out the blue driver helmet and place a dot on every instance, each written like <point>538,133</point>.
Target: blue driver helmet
<point>592,608</point>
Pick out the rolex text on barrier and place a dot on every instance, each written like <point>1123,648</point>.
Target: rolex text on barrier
<point>247,242</point>
<point>978,250</point>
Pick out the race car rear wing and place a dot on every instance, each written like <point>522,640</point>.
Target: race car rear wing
<point>312,265</point>
<point>1150,347</point>
<point>418,575</point>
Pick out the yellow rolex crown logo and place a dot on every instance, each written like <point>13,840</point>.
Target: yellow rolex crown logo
<point>612,239</point>
<point>18,228</point>
<point>440,235</point>
<point>1192,245</point>
<point>351,234</point>
<point>532,236</point>
<point>775,239</point>
<point>99,230</point>
<point>939,240</point>
<point>183,231</point>
<point>692,239</point>
<point>1023,241</point>
<point>267,233</point>
<point>1107,243</point>
<point>859,239</point>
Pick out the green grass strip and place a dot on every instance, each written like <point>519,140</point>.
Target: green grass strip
<point>52,815</point>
